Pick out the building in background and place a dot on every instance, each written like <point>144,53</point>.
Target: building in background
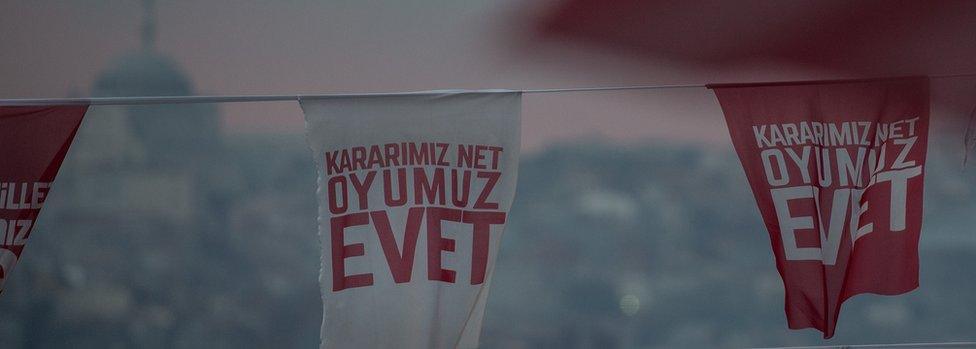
<point>162,233</point>
<point>147,159</point>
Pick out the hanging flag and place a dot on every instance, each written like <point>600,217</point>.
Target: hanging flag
<point>33,143</point>
<point>837,171</point>
<point>414,193</point>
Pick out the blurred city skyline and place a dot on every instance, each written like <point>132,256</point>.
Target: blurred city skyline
<point>186,226</point>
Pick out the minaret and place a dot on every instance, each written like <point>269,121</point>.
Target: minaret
<point>148,24</point>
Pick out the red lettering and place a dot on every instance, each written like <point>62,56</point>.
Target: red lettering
<point>375,157</point>
<point>418,156</point>
<point>392,152</point>
<point>495,152</point>
<point>401,185</point>
<point>482,202</point>
<point>362,188</point>
<point>433,190</point>
<point>465,155</point>
<point>341,251</point>
<point>404,154</point>
<point>464,190</point>
<point>331,166</point>
<point>482,222</point>
<point>358,158</point>
<point>344,161</point>
<point>478,156</point>
<point>437,243</point>
<point>401,263</point>
<point>334,195</point>
<point>442,151</point>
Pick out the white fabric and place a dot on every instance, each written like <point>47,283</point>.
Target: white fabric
<point>421,312</point>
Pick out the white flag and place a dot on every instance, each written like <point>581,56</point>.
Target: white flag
<point>414,191</point>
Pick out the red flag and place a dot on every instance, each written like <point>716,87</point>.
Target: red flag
<point>33,143</point>
<point>837,171</point>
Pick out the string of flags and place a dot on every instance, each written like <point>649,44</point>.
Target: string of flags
<point>414,191</point>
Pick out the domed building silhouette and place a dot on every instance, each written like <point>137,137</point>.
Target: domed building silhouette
<point>139,205</point>
<point>149,160</point>
<point>168,134</point>
<point>162,233</point>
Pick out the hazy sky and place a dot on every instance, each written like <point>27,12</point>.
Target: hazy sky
<point>57,48</point>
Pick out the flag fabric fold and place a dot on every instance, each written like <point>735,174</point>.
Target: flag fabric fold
<point>414,191</point>
<point>837,171</point>
<point>33,143</point>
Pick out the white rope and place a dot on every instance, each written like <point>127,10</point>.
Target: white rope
<point>612,88</point>
<point>145,100</point>
<point>279,98</point>
<point>296,97</point>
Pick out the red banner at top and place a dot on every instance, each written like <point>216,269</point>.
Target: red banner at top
<point>837,171</point>
<point>33,143</point>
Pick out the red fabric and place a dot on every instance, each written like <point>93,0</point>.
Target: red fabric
<point>802,181</point>
<point>33,143</point>
<point>835,34</point>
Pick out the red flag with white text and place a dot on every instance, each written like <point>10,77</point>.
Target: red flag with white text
<point>837,170</point>
<point>33,143</point>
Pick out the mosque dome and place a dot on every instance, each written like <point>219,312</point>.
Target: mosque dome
<point>142,73</point>
<point>150,158</point>
<point>165,135</point>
